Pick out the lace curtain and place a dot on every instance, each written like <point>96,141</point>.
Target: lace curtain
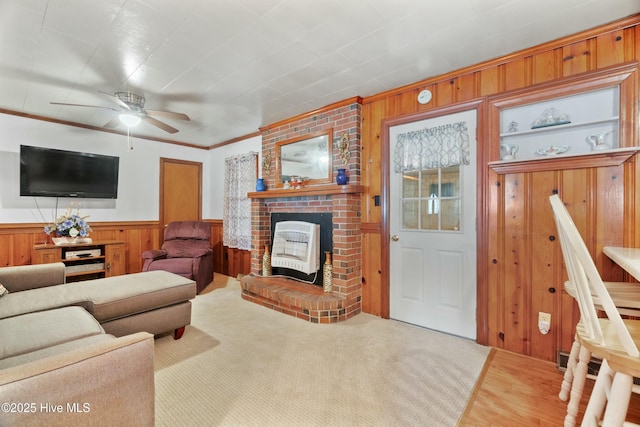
<point>239,179</point>
<point>431,148</point>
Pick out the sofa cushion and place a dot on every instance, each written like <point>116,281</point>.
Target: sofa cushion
<point>106,299</point>
<point>35,331</point>
<point>181,266</point>
<point>187,230</point>
<point>186,248</point>
<point>23,277</point>
<point>54,349</point>
<point>122,296</point>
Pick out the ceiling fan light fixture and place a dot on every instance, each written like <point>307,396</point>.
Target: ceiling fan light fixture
<point>129,120</point>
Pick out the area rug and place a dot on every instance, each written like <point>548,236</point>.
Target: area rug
<point>240,364</point>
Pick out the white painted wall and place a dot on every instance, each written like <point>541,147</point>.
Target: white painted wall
<point>138,189</point>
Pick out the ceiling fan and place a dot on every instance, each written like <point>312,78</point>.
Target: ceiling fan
<point>131,111</point>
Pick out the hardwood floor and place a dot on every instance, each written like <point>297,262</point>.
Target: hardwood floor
<point>516,390</point>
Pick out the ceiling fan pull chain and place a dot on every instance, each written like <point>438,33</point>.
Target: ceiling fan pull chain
<point>129,145</point>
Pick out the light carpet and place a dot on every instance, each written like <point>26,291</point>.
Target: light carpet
<point>240,364</point>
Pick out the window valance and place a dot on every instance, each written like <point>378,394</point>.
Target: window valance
<point>430,148</point>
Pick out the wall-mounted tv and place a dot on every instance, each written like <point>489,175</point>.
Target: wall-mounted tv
<point>48,172</point>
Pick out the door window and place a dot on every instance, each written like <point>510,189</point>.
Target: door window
<point>431,199</point>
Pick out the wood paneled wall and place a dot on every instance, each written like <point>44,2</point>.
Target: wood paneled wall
<point>603,200</point>
<point>17,240</point>
<point>517,224</point>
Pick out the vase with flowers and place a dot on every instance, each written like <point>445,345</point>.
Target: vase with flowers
<point>71,227</point>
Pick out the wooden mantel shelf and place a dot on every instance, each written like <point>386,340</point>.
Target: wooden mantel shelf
<point>312,190</point>
<point>613,157</point>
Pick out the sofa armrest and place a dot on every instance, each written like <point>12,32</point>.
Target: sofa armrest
<point>109,383</point>
<point>24,277</point>
<point>154,254</point>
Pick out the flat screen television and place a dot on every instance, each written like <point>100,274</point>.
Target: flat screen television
<point>48,172</point>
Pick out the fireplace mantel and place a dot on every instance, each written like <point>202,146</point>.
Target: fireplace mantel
<point>345,299</point>
<point>313,190</point>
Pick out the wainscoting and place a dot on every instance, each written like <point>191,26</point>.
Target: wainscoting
<point>17,240</point>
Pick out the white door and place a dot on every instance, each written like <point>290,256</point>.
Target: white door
<point>432,221</point>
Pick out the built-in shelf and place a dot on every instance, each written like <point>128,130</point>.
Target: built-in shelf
<point>558,127</point>
<point>614,157</point>
<point>312,190</point>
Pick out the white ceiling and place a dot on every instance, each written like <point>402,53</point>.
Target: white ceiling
<point>236,65</point>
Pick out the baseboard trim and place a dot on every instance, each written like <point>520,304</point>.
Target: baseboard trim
<point>592,368</point>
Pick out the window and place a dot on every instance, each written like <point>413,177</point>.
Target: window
<point>431,199</point>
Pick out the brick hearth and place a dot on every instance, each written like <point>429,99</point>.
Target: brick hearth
<point>305,301</point>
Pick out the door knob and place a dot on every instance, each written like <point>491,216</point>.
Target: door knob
<point>395,238</point>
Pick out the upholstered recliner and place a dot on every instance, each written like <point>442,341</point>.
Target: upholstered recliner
<point>186,251</point>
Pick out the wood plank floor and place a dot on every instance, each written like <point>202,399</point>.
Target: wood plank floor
<point>517,390</point>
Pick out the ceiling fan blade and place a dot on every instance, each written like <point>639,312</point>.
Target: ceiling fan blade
<point>113,123</point>
<point>165,127</point>
<point>168,114</point>
<point>116,100</point>
<point>84,105</point>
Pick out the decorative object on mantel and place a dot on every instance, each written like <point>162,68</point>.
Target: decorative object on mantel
<point>260,185</point>
<point>70,227</point>
<point>309,190</point>
<point>341,177</point>
<point>598,141</point>
<point>550,117</point>
<point>266,163</point>
<point>327,273</point>
<point>266,262</point>
<point>509,151</point>
<point>295,182</point>
<point>552,150</point>
<point>343,148</point>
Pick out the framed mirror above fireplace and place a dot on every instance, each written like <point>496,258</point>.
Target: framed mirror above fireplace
<point>307,157</point>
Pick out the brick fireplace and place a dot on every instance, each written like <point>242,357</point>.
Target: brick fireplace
<point>302,300</point>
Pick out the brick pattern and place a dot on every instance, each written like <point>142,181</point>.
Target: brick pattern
<point>309,302</point>
<point>346,119</point>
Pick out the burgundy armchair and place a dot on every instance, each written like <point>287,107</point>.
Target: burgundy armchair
<point>186,251</point>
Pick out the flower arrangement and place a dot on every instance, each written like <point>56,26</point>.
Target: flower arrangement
<point>71,224</point>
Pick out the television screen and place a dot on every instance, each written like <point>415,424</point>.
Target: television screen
<point>58,173</point>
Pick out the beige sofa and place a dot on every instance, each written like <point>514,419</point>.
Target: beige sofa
<point>82,353</point>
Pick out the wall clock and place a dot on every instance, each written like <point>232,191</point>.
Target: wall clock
<point>424,97</point>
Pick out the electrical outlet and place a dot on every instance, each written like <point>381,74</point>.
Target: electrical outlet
<point>544,317</point>
<point>544,322</point>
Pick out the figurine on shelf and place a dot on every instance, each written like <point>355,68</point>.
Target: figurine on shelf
<point>598,141</point>
<point>509,151</point>
<point>513,127</point>
<point>286,185</point>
